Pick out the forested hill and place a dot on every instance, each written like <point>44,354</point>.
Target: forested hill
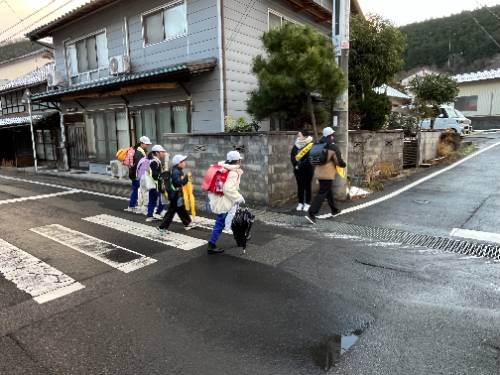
<point>459,43</point>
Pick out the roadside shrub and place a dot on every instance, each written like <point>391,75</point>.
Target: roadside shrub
<point>408,123</point>
<point>449,142</point>
<point>374,111</point>
<point>237,125</point>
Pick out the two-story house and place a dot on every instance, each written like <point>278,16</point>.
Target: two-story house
<point>129,68</point>
<point>16,141</point>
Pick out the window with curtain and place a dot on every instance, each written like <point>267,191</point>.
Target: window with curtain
<point>276,20</point>
<point>45,144</point>
<point>167,23</point>
<point>106,133</point>
<point>86,55</point>
<point>155,121</point>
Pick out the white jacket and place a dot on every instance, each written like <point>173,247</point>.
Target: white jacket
<point>220,204</point>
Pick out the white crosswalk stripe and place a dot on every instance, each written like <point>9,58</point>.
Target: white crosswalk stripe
<point>202,222</point>
<point>31,275</point>
<point>177,240</point>
<point>113,255</point>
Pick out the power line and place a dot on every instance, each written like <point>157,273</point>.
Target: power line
<point>25,18</point>
<point>38,20</point>
<point>243,17</point>
<point>485,31</point>
<point>488,9</point>
<point>11,9</point>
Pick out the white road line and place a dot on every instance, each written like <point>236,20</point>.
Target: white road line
<point>202,222</point>
<point>415,183</point>
<point>95,248</point>
<point>65,188</point>
<point>42,281</point>
<point>37,197</point>
<point>476,235</point>
<point>177,240</point>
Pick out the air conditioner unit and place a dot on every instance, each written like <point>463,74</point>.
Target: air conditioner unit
<point>55,79</point>
<point>117,169</point>
<point>119,64</point>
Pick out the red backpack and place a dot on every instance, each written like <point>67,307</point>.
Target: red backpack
<point>214,179</point>
<point>128,160</point>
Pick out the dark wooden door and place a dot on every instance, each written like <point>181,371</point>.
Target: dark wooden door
<point>77,146</point>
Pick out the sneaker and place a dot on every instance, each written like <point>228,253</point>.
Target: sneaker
<point>300,207</point>
<point>310,218</point>
<point>150,219</point>
<point>306,207</point>
<point>163,213</point>
<point>189,226</point>
<point>129,209</point>
<point>141,210</point>
<point>212,249</point>
<point>336,211</point>
<point>158,216</point>
<point>162,230</point>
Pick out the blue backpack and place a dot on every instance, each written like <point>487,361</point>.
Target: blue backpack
<point>318,153</point>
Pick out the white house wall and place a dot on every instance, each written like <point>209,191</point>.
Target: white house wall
<point>243,28</point>
<point>488,97</point>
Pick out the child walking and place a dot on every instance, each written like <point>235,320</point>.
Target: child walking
<point>176,205</point>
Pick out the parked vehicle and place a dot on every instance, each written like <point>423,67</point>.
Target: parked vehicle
<point>451,119</point>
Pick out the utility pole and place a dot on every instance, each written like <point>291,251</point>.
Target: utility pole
<point>27,99</point>
<point>340,37</point>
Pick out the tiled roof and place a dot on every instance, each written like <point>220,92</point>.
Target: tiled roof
<point>195,67</point>
<point>478,76</point>
<point>39,75</point>
<point>18,120</point>
<point>391,92</point>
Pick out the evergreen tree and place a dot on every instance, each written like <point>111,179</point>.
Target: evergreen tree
<point>299,65</point>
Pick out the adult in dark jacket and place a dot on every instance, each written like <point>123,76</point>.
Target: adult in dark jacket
<point>176,201</point>
<point>154,201</point>
<point>302,169</point>
<point>140,152</point>
<point>325,173</point>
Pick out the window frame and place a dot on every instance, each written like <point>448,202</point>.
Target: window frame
<point>72,44</point>
<point>282,16</point>
<point>161,9</point>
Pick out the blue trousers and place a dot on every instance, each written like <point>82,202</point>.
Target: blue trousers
<point>220,223</point>
<point>134,193</point>
<point>154,201</point>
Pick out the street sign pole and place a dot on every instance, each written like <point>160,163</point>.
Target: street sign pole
<point>340,35</point>
<point>33,146</point>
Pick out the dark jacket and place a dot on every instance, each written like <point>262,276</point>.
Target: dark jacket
<point>155,166</point>
<point>301,165</point>
<point>328,171</point>
<point>138,155</point>
<point>178,180</point>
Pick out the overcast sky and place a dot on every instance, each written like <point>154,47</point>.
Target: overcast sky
<point>401,12</point>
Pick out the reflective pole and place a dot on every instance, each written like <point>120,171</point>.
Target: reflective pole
<point>28,96</point>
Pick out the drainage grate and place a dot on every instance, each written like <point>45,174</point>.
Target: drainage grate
<point>479,249</point>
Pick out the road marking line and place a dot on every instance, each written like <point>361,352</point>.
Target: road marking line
<point>37,197</point>
<point>177,240</point>
<point>415,183</point>
<point>95,248</point>
<point>476,235</point>
<point>202,222</point>
<point>33,276</point>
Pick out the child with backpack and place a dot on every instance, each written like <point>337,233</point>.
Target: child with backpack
<point>155,168</point>
<point>176,201</point>
<point>222,203</point>
<point>140,152</point>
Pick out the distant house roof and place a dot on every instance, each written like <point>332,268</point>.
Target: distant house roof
<point>391,92</point>
<point>39,75</point>
<point>478,76</point>
<point>19,50</point>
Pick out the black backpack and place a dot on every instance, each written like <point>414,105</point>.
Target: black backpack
<point>318,153</point>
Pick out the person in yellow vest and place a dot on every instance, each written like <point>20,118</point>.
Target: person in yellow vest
<point>302,169</point>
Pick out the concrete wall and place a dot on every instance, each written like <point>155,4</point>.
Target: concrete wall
<point>429,140</point>
<point>268,176</point>
<point>375,153</point>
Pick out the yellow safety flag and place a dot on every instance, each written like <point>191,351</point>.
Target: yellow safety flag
<point>341,171</point>
<point>189,201</point>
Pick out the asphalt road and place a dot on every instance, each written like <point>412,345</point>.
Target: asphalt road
<point>143,304</point>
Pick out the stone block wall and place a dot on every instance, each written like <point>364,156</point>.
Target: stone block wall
<point>268,176</point>
<point>375,152</point>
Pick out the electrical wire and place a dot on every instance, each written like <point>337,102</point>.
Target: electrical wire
<point>25,18</point>
<point>243,17</point>
<point>38,20</point>
<point>485,31</point>
<point>488,9</point>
